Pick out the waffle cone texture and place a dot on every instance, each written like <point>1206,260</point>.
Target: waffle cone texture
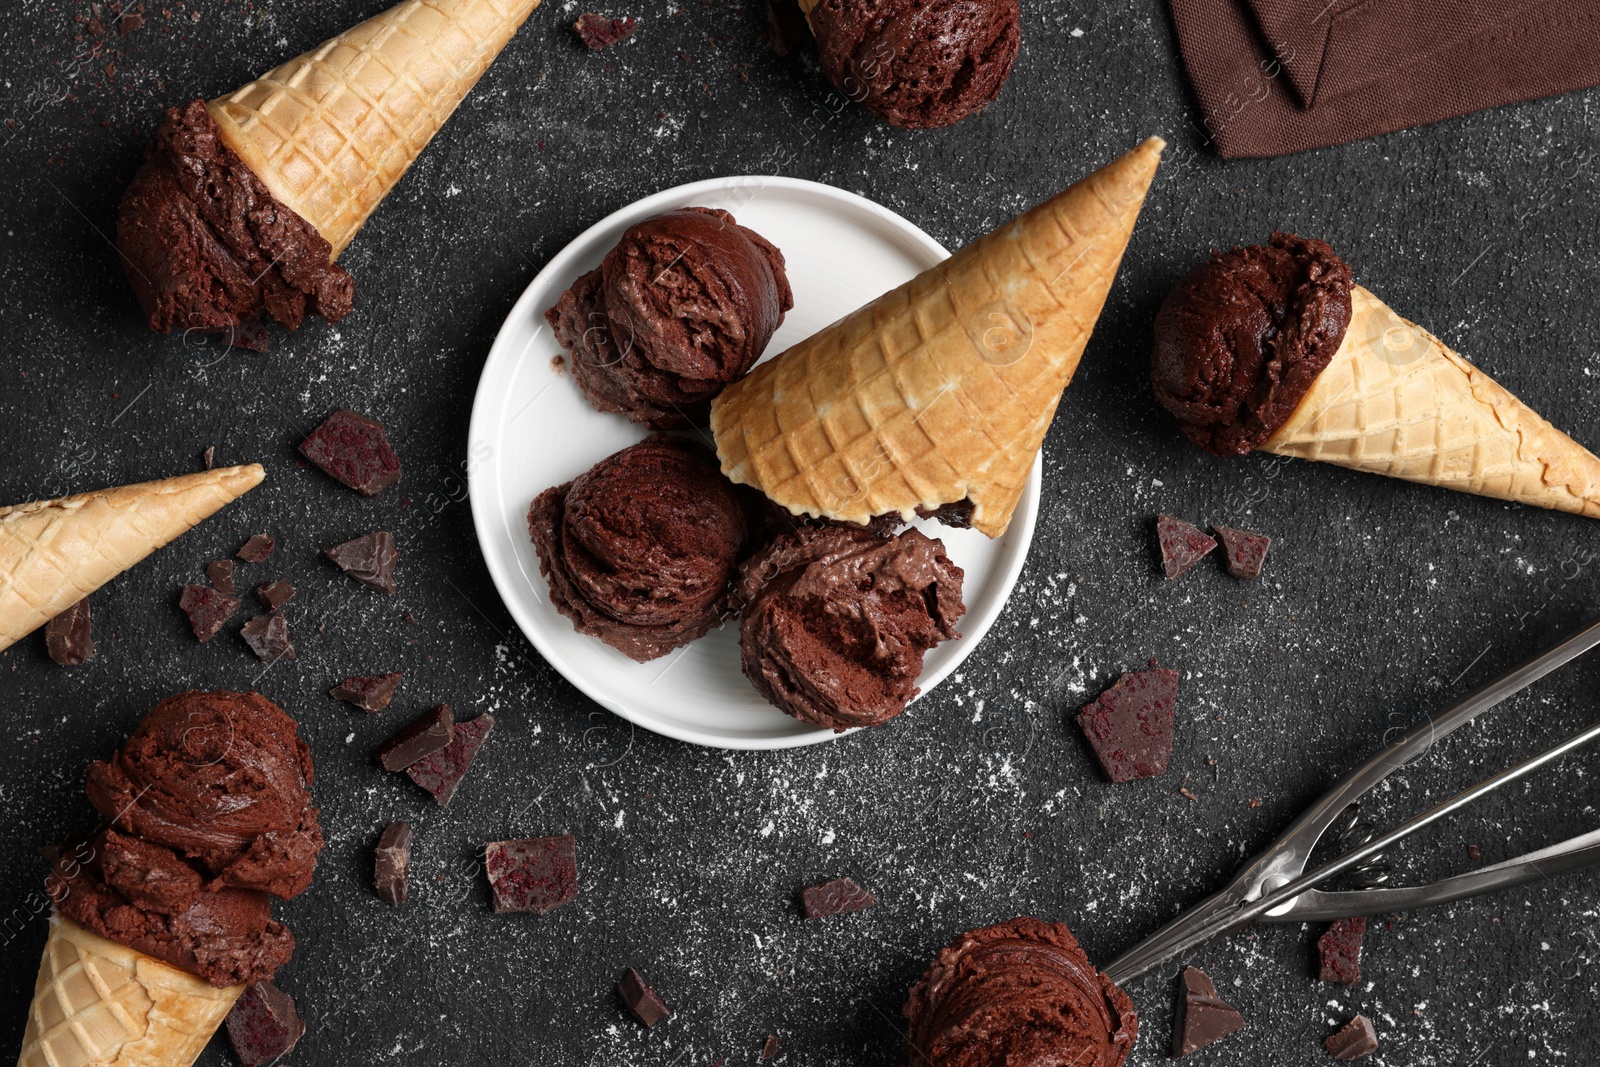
<point>941,390</point>
<point>99,1003</point>
<point>1396,400</point>
<point>53,553</point>
<point>330,132</point>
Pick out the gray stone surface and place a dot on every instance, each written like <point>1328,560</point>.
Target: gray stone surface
<point>1380,600</point>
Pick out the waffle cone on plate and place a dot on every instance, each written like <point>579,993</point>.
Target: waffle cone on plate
<point>98,1002</point>
<point>331,131</point>
<point>54,553</point>
<point>1395,400</point>
<point>941,390</point>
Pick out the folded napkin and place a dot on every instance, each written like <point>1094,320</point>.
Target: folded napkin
<point>1279,76</point>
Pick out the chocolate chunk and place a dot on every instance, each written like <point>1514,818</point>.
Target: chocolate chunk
<point>534,874</point>
<point>599,32</point>
<point>641,999</point>
<point>274,594</point>
<point>1353,1041</point>
<point>268,637</point>
<point>786,26</point>
<point>130,21</point>
<point>355,450</point>
<point>391,863</point>
<point>838,897</point>
<point>207,609</point>
<point>1130,725</point>
<point>425,735</point>
<point>369,559</point>
<point>957,514</point>
<point>264,1025</point>
<point>1202,1017</point>
<point>769,1048</point>
<point>69,637</point>
<point>257,549</point>
<point>220,572</point>
<point>1245,551</point>
<point>1183,544</point>
<point>441,773</point>
<point>1339,950</point>
<point>1474,853</point>
<point>369,692</point>
<point>208,455</point>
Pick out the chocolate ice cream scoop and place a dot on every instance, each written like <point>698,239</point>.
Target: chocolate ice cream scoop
<point>208,807</point>
<point>208,248</point>
<point>1018,993</point>
<point>1241,339</point>
<point>838,618</point>
<point>639,551</point>
<point>223,780</point>
<point>684,304</point>
<point>918,64</point>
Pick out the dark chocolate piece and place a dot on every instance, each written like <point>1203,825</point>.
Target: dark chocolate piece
<point>369,559</point>
<point>533,874</point>
<point>391,863</point>
<point>641,999</point>
<point>69,637</point>
<point>838,897</point>
<point>423,736</point>
<point>207,609</point>
<point>257,549</point>
<point>268,637</point>
<point>220,572</point>
<point>1130,725</point>
<point>769,1048</point>
<point>274,594</point>
<point>1339,950</point>
<point>354,450</point>
<point>1203,1018</point>
<point>1183,544</point>
<point>1474,853</point>
<point>369,692</point>
<point>1245,551</point>
<point>264,1025</point>
<point>1354,1040</point>
<point>441,772</point>
<point>599,32</point>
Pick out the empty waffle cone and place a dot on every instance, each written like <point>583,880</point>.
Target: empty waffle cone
<point>100,1003</point>
<point>331,131</point>
<point>1396,400</point>
<point>53,553</point>
<point>941,390</point>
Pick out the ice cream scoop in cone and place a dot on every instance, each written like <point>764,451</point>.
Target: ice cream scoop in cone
<point>98,1003</point>
<point>939,391</point>
<point>1396,400</point>
<point>53,553</point>
<point>331,131</point>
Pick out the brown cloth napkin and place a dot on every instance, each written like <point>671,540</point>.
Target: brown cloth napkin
<point>1279,76</point>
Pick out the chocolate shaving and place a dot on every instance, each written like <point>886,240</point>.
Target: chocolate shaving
<point>838,897</point>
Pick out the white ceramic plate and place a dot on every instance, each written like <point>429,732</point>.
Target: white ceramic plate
<point>532,429</point>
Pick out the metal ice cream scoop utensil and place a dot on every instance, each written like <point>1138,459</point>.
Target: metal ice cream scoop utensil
<point>1276,887</point>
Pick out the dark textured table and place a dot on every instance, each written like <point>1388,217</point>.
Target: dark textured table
<point>1381,599</point>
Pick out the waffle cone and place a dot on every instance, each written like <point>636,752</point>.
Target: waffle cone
<point>53,553</point>
<point>331,131</point>
<point>941,390</point>
<point>99,1003</point>
<point>1396,400</point>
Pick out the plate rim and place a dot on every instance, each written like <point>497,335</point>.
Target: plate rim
<point>1014,544</point>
